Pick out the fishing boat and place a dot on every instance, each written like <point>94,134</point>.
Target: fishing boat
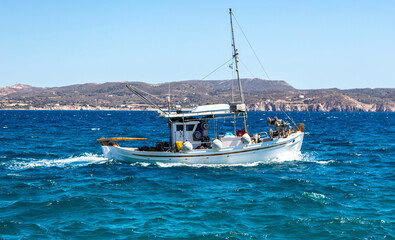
<point>193,140</point>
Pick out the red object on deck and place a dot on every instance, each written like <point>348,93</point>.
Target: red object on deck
<point>240,133</point>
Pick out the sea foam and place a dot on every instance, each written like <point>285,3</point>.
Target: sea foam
<point>73,161</point>
<point>299,157</point>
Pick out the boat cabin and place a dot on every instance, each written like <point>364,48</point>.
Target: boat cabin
<point>194,126</point>
<point>192,130</point>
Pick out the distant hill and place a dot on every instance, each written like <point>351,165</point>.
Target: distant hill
<point>261,95</point>
<point>17,88</point>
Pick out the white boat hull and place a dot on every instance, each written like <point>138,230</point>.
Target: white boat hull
<point>259,152</point>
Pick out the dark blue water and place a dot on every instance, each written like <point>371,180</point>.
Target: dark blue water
<point>55,183</point>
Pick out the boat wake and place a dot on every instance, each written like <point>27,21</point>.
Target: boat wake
<point>300,157</point>
<point>73,161</point>
<point>89,158</point>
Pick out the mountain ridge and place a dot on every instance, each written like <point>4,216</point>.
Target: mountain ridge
<point>260,95</point>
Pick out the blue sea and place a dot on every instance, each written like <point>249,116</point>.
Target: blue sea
<point>56,184</point>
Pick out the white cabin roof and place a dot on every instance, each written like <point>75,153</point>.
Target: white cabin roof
<point>205,110</point>
<point>211,108</point>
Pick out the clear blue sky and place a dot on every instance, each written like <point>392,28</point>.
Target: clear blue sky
<point>310,44</point>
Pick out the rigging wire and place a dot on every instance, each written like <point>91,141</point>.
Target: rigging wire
<point>136,91</point>
<point>217,68</point>
<point>149,93</point>
<point>260,63</point>
<point>256,56</point>
<point>247,68</point>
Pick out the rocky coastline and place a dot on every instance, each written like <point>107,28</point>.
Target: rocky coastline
<point>260,95</point>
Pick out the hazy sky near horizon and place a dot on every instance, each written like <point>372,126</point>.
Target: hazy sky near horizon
<point>309,44</point>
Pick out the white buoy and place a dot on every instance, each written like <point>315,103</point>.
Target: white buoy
<point>217,145</point>
<point>246,139</point>
<point>187,146</point>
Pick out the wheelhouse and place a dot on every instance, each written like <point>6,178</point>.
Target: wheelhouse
<point>195,126</point>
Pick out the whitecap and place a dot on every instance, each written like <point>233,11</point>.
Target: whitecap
<point>14,175</point>
<point>356,154</point>
<point>310,157</point>
<point>314,196</point>
<point>324,162</point>
<point>143,164</point>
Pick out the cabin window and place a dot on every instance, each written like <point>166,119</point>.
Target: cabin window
<point>190,127</point>
<point>180,128</point>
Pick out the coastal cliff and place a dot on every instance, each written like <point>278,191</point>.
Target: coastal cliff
<point>335,102</point>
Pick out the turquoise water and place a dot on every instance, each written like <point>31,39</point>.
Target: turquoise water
<point>55,183</point>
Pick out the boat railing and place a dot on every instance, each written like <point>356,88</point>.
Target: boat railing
<point>263,135</point>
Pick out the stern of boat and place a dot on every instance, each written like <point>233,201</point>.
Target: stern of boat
<point>109,145</point>
<point>107,152</point>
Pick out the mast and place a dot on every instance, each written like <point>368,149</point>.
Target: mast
<point>237,70</point>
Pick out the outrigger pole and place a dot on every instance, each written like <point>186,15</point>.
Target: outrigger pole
<point>137,92</point>
<point>237,71</point>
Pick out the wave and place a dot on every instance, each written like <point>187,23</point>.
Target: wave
<point>311,157</point>
<point>314,196</point>
<point>73,161</point>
